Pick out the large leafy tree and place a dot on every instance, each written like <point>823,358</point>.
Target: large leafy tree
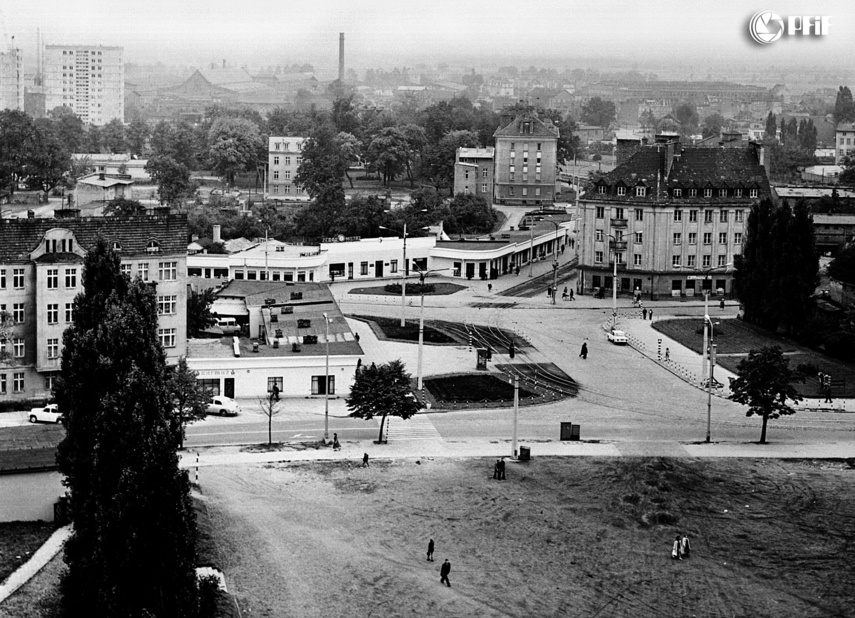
<point>844,106</point>
<point>189,397</point>
<point>123,207</point>
<point>468,214</point>
<point>49,161</point>
<point>199,316</point>
<point>69,128</point>
<point>389,152</point>
<point>382,391</point>
<point>599,112</point>
<point>136,136</point>
<point>771,131</point>
<point>842,267</point>
<point>686,115</point>
<point>323,164</point>
<point>132,551</point>
<point>16,143</point>
<point>765,385</point>
<point>439,159</point>
<point>713,124</point>
<point>234,145</point>
<point>113,137</point>
<point>172,178</point>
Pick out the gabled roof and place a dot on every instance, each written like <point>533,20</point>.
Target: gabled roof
<point>538,128</point>
<point>225,77</point>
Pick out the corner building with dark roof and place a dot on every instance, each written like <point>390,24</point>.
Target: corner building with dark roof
<point>41,272</point>
<point>676,216</point>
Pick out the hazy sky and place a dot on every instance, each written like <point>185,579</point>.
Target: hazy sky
<point>389,33</point>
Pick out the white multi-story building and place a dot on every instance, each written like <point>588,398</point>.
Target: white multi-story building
<point>285,154</point>
<point>89,79</point>
<point>12,79</point>
<point>844,137</point>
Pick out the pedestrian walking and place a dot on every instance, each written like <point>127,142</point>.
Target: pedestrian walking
<point>644,314</point>
<point>502,469</point>
<point>675,549</point>
<point>336,445</point>
<point>564,294</point>
<point>444,570</point>
<point>667,355</point>
<point>489,287</point>
<point>584,352</point>
<point>651,314</point>
<point>430,551</point>
<point>356,336</point>
<point>365,460</point>
<point>571,295</point>
<point>549,292</point>
<point>685,546</point>
<point>721,305</point>
<point>274,395</point>
<point>821,377</point>
<point>826,383</point>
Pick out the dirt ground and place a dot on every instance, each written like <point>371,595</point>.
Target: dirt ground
<point>560,537</point>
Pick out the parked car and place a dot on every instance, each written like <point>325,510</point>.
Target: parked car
<point>48,414</point>
<point>223,406</point>
<point>617,337</point>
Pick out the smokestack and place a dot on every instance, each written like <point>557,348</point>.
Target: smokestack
<point>341,57</point>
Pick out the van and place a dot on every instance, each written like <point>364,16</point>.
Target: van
<point>228,325</point>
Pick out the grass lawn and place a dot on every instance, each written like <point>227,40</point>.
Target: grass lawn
<point>390,328</point>
<point>560,537</point>
<point>18,541</point>
<point>440,289</point>
<point>736,338</point>
<point>473,387</point>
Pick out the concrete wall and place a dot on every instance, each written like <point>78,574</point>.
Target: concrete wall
<point>29,496</point>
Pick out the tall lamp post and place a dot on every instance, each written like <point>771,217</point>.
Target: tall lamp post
<point>614,282</point>
<point>710,379</point>
<point>403,272</point>
<point>707,337</point>
<point>327,381</point>
<point>422,275</point>
<point>555,262</point>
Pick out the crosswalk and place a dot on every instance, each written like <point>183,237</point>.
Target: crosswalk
<point>418,427</point>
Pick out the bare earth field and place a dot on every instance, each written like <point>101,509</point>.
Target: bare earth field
<point>560,537</point>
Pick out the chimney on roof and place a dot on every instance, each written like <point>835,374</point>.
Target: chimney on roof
<point>216,233</point>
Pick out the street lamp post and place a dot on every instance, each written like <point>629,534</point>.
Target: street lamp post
<point>555,263</point>
<point>403,273</point>
<point>327,382</point>
<point>614,283</point>
<point>710,379</point>
<point>422,275</point>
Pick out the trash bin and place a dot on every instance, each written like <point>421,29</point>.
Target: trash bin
<point>574,432</point>
<point>525,453</point>
<point>566,431</point>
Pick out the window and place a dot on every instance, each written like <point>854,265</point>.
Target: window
<point>166,304</point>
<point>690,261</point>
<point>706,261</point>
<point>640,191</point>
<point>707,192</point>
<point>618,213</point>
<point>287,160</point>
<point>276,188</point>
<point>318,385</point>
<point>678,238</point>
<point>53,348</point>
<point>299,161</point>
<point>525,176</point>
<point>70,277</point>
<point>52,278</point>
<point>619,258</point>
<point>125,270</point>
<point>511,191</point>
<point>722,260</point>
<point>638,238</point>
<point>752,193</point>
<point>525,191</point>
<point>484,188</point>
<point>678,215</point>
<point>18,347</point>
<point>598,257</point>
<point>675,260</point>
<point>18,313</point>
<point>484,173</point>
<point>737,238</point>
<point>601,212</point>
<point>537,191</point>
<point>167,271</point>
<point>393,266</point>
<point>2,278</point>
<point>167,337</point>
<point>2,383</point>
<point>287,174</point>
<point>621,190</point>
<point>693,216</point>
<point>598,235</point>
<point>275,174</point>
<point>707,238</point>
<point>511,176</point>
<point>677,193</point>
<point>69,312</point>
<point>722,192</point>
<point>618,235</point>
<point>53,313</point>
<point>708,216</point>
<point>363,268</point>
<point>275,160</point>
<point>693,238</point>
<point>538,147</point>
<point>18,382</point>
<point>639,214</point>
<point>738,215</point>
<point>601,189</point>
<point>117,246</point>
<point>722,238</point>
<point>693,193</point>
<point>152,247</point>
<point>50,382</point>
<point>722,216</point>
<point>18,278</point>
<point>636,259</point>
<point>738,192</point>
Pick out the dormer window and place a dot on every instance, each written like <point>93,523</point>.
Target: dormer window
<point>117,246</point>
<point>722,192</point>
<point>752,193</point>
<point>707,192</point>
<point>152,247</point>
<point>601,189</point>
<point>621,190</point>
<point>693,193</point>
<point>677,193</point>
<point>526,128</point>
<point>738,193</point>
<point>640,191</point>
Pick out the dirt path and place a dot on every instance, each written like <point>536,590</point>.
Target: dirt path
<point>560,537</point>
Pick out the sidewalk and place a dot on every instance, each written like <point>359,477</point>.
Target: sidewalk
<point>41,557</point>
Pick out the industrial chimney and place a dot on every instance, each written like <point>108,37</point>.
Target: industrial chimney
<point>341,57</point>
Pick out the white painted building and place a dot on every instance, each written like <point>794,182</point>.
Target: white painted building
<point>285,154</point>
<point>90,79</point>
<point>844,136</point>
<point>115,164</point>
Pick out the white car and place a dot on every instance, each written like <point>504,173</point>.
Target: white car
<point>618,337</point>
<point>48,414</point>
<point>223,406</point>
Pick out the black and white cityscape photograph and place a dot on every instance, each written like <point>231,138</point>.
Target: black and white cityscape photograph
<point>388,309</point>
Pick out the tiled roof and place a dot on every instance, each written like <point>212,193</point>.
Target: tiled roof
<point>538,128</point>
<point>846,126</point>
<point>19,237</point>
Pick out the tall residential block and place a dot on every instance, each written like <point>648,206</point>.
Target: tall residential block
<point>526,153</point>
<point>285,154</point>
<point>89,79</point>
<point>11,79</point>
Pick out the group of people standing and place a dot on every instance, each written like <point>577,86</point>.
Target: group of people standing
<point>499,469</point>
<point>681,547</point>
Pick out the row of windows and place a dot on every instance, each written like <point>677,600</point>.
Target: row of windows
<point>166,305</point>
<point>17,383</point>
<point>167,271</point>
<point>286,175</point>
<point>53,278</point>
<point>287,160</point>
<point>709,215</point>
<point>19,348</point>
<point>286,189</point>
<point>642,192</point>
<point>286,146</point>
<point>523,191</point>
<point>511,177</point>
<point>18,316</point>
<point>525,144</point>
<point>483,188</point>
<point>691,262</point>
<point>275,275</point>
<point>677,238</point>
<point>483,173</point>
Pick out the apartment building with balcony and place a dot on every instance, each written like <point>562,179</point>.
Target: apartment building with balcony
<point>89,79</point>
<point>526,160</point>
<point>285,154</point>
<point>672,217</point>
<point>41,272</point>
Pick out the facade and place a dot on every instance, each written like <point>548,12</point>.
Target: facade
<point>12,79</point>
<point>526,161</point>
<point>90,79</point>
<point>115,164</point>
<point>41,271</point>
<point>286,320</point>
<point>673,218</point>
<point>844,138</point>
<point>473,172</point>
<point>285,154</point>
<point>101,188</point>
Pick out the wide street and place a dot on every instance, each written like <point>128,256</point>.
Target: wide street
<point>624,396</point>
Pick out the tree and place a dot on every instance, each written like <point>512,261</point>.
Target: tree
<point>382,391</point>
<point>137,135</point>
<point>439,159</point>
<point>16,136</point>
<point>49,161</point>
<point>599,112</point>
<point>132,552</point>
<point>323,165</point>
<point>189,397</point>
<point>270,408</point>
<point>113,137</point>
<point>199,316</point>
<point>847,176</point>
<point>568,143</point>
<point>771,131</point>
<point>765,384</point>
<point>713,124</point>
<point>469,213</point>
<point>234,145</point>
<point>686,115</point>
<point>172,178</point>
<point>844,106</point>
<point>842,267</point>
<point>349,148</point>
<point>69,128</point>
<point>92,141</point>
<point>389,152</point>
<point>122,207</point>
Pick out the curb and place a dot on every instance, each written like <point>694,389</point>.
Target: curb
<point>37,561</point>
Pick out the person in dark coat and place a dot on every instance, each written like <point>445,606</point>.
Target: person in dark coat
<point>430,551</point>
<point>584,352</point>
<point>502,469</point>
<point>444,570</point>
<point>496,470</point>
<point>644,314</point>
<point>365,460</point>
<point>336,445</point>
